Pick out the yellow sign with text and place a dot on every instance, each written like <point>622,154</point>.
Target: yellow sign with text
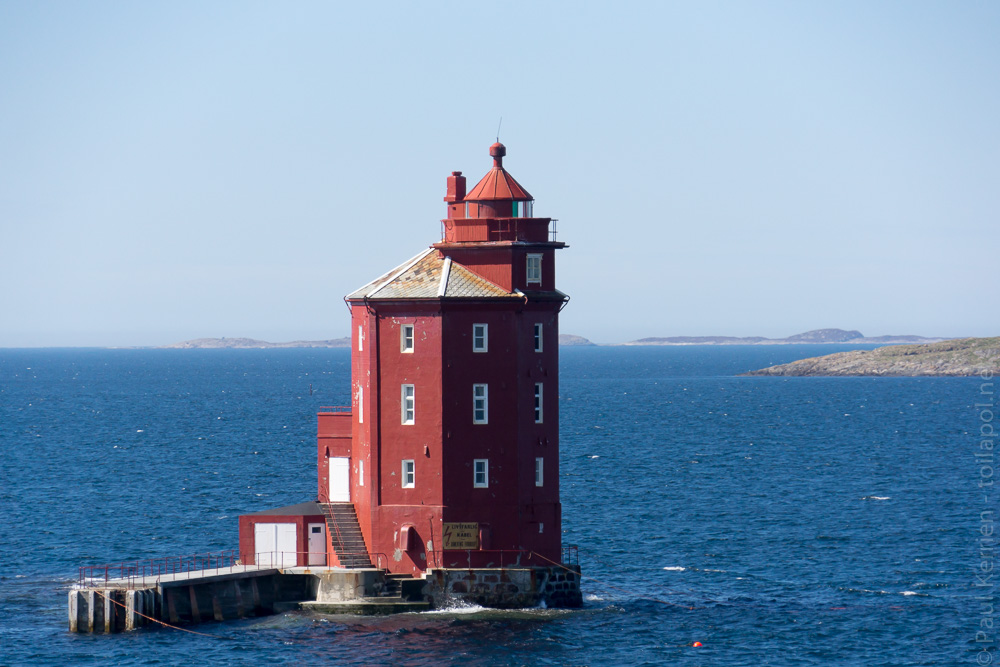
<point>461,536</point>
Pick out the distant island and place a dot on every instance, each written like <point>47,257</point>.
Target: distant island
<point>569,340</point>
<point>959,357</point>
<point>809,337</point>
<point>250,343</point>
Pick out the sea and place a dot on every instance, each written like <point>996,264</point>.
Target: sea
<point>773,521</point>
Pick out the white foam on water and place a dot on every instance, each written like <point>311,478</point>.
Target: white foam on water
<point>458,608</point>
<point>675,568</point>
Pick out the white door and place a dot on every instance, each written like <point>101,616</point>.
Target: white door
<point>274,544</point>
<point>287,545</point>
<point>340,479</point>
<point>263,543</point>
<point>317,543</point>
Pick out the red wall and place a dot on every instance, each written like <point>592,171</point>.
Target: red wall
<point>247,522</point>
<point>505,265</point>
<point>444,441</point>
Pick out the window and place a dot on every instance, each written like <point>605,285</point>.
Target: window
<point>538,336</point>
<point>481,473</point>
<point>539,471</point>
<point>534,269</point>
<point>480,404</point>
<point>361,340</point>
<point>406,403</point>
<point>480,337</point>
<point>408,476</point>
<point>538,402</point>
<point>361,405</point>
<point>361,473</point>
<point>406,338</point>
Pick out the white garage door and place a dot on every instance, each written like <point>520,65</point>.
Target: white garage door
<point>274,544</point>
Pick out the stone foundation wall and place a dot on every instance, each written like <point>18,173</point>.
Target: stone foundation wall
<point>505,588</point>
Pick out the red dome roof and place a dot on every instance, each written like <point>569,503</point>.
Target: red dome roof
<point>497,183</point>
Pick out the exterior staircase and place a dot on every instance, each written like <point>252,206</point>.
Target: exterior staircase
<point>345,534</point>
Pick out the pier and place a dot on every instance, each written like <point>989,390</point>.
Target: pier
<point>144,594</point>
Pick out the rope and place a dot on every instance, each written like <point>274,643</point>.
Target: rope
<point>156,620</point>
<point>613,587</point>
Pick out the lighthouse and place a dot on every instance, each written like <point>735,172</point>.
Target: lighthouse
<point>445,467</point>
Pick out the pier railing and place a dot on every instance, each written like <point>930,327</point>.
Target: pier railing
<point>143,573</point>
<point>570,554</point>
<point>501,557</point>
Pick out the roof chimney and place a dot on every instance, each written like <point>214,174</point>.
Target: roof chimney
<point>456,187</point>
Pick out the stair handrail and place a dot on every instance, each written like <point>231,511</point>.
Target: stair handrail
<point>327,506</point>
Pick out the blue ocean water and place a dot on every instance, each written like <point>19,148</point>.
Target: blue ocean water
<point>779,521</point>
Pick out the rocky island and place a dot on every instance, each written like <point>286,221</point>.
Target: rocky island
<point>959,357</point>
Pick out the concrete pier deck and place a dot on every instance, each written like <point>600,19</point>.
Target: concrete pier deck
<point>220,594</point>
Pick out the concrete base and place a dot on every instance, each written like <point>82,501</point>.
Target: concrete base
<point>505,588</point>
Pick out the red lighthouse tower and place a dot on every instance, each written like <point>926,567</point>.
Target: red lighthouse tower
<point>449,456</point>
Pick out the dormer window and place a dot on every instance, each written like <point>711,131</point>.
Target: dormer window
<point>534,272</point>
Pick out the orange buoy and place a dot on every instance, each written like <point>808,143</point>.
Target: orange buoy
<point>696,644</point>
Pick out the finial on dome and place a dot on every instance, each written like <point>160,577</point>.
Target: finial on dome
<point>497,151</point>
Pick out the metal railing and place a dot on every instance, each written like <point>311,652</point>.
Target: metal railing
<point>154,568</point>
<point>335,408</point>
<point>331,518</point>
<point>143,573</point>
<point>502,557</point>
<point>570,554</point>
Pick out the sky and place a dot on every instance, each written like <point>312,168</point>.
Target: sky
<point>176,170</point>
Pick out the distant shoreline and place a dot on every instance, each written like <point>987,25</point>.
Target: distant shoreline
<point>815,337</point>
<point>962,357</point>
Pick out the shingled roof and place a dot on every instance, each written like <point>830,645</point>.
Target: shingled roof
<point>430,276</point>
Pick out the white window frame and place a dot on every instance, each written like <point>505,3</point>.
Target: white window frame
<point>361,472</point>
<point>407,404</point>
<point>477,344</point>
<point>481,473</point>
<point>539,471</point>
<point>361,340</point>
<point>539,405</point>
<point>533,269</point>
<point>539,329</point>
<point>480,403</point>
<point>406,340</point>
<point>408,479</point>
<point>361,404</point>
